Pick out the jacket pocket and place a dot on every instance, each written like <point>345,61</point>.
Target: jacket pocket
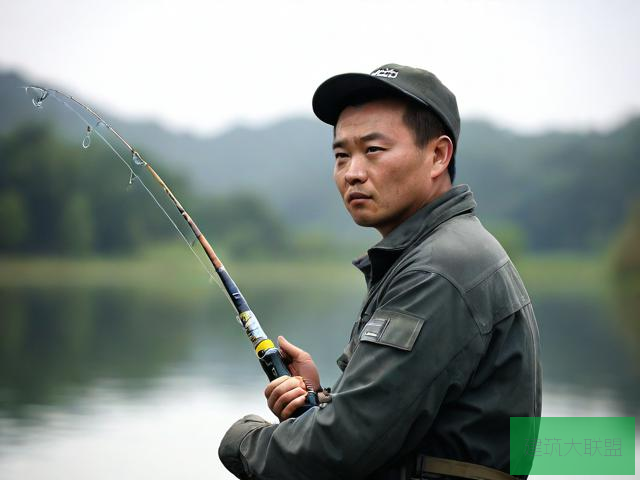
<point>394,329</point>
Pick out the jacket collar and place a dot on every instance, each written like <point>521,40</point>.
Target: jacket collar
<point>382,255</point>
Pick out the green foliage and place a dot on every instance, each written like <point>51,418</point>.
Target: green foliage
<point>244,223</point>
<point>566,191</point>
<point>625,265</point>
<point>59,198</point>
<point>75,228</point>
<point>14,219</point>
<point>626,253</point>
<point>62,197</point>
<point>511,237</point>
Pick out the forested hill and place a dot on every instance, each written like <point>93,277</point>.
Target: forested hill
<point>566,190</point>
<point>562,190</point>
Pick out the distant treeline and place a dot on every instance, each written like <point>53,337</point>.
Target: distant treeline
<point>59,198</point>
<point>565,191</point>
<point>556,191</point>
<point>551,191</point>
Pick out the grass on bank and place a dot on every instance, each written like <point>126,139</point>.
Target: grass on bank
<point>173,268</point>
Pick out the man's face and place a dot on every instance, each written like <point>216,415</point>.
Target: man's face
<point>382,176</point>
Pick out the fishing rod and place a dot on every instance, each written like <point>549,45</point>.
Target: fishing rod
<point>268,354</point>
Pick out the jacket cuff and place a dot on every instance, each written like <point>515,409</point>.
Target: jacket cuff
<point>229,450</point>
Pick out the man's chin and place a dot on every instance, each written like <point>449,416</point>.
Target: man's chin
<point>372,222</point>
<point>363,220</point>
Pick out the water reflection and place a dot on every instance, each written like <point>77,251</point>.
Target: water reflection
<point>172,433</point>
<point>56,342</point>
<point>95,373</point>
<point>583,348</point>
<point>53,341</point>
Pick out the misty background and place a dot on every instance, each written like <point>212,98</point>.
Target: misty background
<point>118,358</point>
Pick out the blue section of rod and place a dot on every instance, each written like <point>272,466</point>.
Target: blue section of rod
<point>232,289</point>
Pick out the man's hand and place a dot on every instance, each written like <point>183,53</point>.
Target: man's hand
<point>286,394</point>
<point>299,362</point>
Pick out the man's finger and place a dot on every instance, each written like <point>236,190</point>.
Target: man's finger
<point>274,384</point>
<point>293,405</point>
<point>289,349</point>
<point>285,400</point>
<point>289,384</point>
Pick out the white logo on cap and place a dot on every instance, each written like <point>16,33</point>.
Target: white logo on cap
<point>385,72</point>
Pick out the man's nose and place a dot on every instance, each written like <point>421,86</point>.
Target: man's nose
<point>357,171</point>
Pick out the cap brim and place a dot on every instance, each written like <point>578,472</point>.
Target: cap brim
<point>334,94</point>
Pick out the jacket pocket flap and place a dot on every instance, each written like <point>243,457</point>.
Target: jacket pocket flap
<point>393,329</point>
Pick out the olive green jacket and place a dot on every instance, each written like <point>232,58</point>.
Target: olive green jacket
<point>444,351</point>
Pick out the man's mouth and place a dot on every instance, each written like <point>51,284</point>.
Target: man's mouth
<point>354,196</point>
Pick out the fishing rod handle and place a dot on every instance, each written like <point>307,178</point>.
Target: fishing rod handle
<point>274,366</point>
<point>270,358</point>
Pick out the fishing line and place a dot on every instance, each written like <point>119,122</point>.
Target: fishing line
<point>86,143</point>
<point>268,354</point>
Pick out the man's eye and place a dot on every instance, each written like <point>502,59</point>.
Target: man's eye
<point>340,155</point>
<point>374,149</point>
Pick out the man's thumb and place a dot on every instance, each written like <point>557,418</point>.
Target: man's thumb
<point>289,348</point>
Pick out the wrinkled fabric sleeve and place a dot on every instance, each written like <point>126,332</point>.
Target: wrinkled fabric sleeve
<point>384,394</point>
<point>229,450</point>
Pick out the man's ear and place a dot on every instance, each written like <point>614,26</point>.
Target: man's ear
<point>442,153</point>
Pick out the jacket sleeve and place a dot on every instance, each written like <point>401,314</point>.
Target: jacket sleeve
<point>421,345</point>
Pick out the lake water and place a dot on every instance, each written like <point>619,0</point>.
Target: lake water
<point>105,383</point>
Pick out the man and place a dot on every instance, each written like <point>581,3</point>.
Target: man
<point>445,349</point>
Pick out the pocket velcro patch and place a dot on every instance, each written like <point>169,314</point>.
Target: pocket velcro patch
<point>393,329</point>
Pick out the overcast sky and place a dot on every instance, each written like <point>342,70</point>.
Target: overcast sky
<point>206,66</point>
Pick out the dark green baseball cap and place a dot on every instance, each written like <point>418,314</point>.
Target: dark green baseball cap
<point>334,94</point>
